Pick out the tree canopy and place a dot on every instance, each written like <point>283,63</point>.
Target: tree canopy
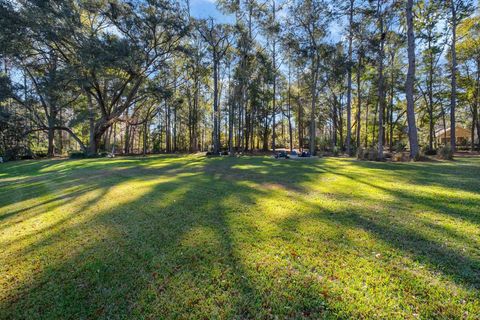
<point>118,76</point>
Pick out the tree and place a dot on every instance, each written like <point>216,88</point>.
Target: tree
<point>349,77</point>
<point>218,39</point>
<point>427,30</point>
<point>311,19</point>
<point>459,9</point>
<point>47,88</point>
<point>111,66</point>
<point>140,77</point>
<point>453,94</point>
<point>469,72</point>
<point>380,14</point>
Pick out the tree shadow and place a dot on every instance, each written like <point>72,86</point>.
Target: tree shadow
<point>183,238</point>
<point>464,207</point>
<point>403,232</point>
<point>460,174</point>
<point>165,251</point>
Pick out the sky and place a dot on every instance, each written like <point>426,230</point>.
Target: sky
<point>206,9</point>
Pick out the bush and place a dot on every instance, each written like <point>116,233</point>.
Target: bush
<point>76,155</point>
<point>421,157</point>
<point>40,154</point>
<point>92,155</point>
<point>336,151</point>
<point>370,154</point>
<point>401,157</point>
<point>445,153</point>
<point>17,153</point>
<point>430,152</point>
<point>399,146</point>
<point>323,144</point>
<point>360,153</point>
<point>353,150</point>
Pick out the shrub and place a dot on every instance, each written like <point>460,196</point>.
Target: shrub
<point>92,155</point>
<point>445,153</point>
<point>399,146</point>
<point>10,155</point>
<point>336,151</point>
<point>353,150</point>
<point>17,153</point>
<point>40,154</point>
<point>430,152</point>
<point>76,155</point>
<point>370,154</point>
<point>401,157</point>
<point>360,153</point>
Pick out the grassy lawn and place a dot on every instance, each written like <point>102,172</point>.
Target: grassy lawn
<point>189,237</point>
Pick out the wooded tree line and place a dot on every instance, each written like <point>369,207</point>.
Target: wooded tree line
<point>147,76</point>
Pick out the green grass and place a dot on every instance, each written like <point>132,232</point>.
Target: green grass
<point>189,237</point>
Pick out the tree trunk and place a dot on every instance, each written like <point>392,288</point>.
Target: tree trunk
<point>444,121</point>
<point>168,146</point>
<point>453,95</point>
<point>314,101</point>
<point>359,100</point>
<point>274,102</point>
<point>265,135</point>
<point>349,85</point>
<point>216,142</point>
<point>412,127</point>
<point>430,98</point>
<point>145,126</point>
<point>126,149</point>
<point>340,123</point>
<point>195,117</point>
<point>60,134</point>
<point>300,117</point>
<point>381,89</point>
<point>474,118</point>
<point>175,129</point>
<point>114,137</point>
<point>390,108</point>
<point>334,123</point>
<point>392,125</point>
<point>51,142</point>
<point>91,117</point>
<point>366,124</point>
<point>230,116</point>
<point>230,128</point>
<point>375,117</point>
<point>477,101</point>
<point>289,106</point>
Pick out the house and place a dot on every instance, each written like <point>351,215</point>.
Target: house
<point>462,136</point>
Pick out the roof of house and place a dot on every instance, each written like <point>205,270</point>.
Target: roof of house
<point>459,131</point>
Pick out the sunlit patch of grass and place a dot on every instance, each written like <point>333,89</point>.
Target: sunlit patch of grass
<point>249,237</point>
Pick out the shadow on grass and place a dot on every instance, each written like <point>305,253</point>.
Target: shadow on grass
<point>171,247</point>
<point>179,247</point>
